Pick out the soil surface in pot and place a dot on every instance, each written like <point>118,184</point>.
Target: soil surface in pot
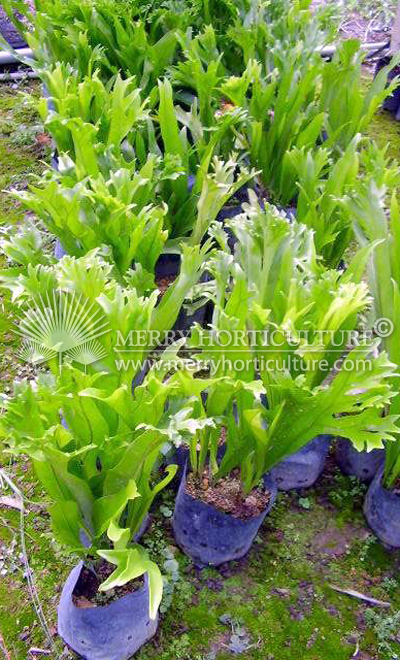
<point>163,283</point>
<point>384,61</point>
<point>395,488</point>
<point>226,495</point>
<point>87,594</point>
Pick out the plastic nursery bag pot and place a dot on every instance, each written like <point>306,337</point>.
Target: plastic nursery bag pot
<point>226,213</point>
<point>209,536</point>
<point>168,266</point>
<point>361,464</point>
<point>391,103</point>
<point>179,457</point>
<point>111,632</point>
<point>382,511</point>
<point>233,208</point>
<point>302,469</point>
<point>59,251</point>
<point>11,34</point>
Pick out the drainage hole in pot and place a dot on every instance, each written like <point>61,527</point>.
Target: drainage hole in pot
<point>204,545</point>
<point>129,638</point>
<point>365,470</point>
<point>185,532</point>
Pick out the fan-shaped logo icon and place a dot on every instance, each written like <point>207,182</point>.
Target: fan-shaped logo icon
<point>62,324</point>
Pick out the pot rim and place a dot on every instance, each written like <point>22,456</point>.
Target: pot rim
<point>211,507</point>
<point>134,594</point>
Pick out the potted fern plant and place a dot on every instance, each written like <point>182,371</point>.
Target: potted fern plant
<point>227,487</point>
<point>96,453</point>
<point>377,225</point>
<point>293,318</point>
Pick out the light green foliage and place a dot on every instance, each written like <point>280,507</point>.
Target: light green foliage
<point>92,35</point>
<point>217,188</point>
<point>127,308</point>
<point>132,563</point>
<point>113,210</point>
<point>25,246</point>
<point>115,186</point>
<point>143,39</point>
<point>292,109</point>
<point>325,185</point>
<point>114,109</point>
<point>271,29</point>
<point>374,222</point>
<point>282,113</point>
<point>351,111</point>
<point>97,465</point>
<point>96,455</point>
<point>271,287</point>
<point>193,154</point>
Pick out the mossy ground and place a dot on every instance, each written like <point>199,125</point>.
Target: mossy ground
<point>23,150</point>
<point>20,145</point>
<point>277,603</point>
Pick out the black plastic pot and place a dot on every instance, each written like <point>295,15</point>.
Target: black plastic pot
<point>391,103</point>
<point>51,106</point>
<point>9,32</point>
<point>140,376</point>
<point>232,209</point>
<point>226,213</point>
<point>361,464</point>
<point>169,265</point>
<point>59,251</point>
<point>382,511</point>
<point>179,457</point>
<point>209,536</point>
<point>112,632</point>
<point>290,211</point>
<point>302,469</point>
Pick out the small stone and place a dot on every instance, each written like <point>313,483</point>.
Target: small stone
<point>83,602</point>
<point>284,593</point>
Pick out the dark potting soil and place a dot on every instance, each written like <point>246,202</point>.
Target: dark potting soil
<point>163,283</point>
<point>395,488</point>
<point>384,61</point>
<point>226,495</point>
<point>395,72</point>
<point>87,594</point>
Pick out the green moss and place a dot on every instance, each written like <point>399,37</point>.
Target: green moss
<point>19,148</point>
<point>384,129</point>
<point>20,157</point>
<point>281,594</point>
<point>8,339</point>
<point>19,623</point>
